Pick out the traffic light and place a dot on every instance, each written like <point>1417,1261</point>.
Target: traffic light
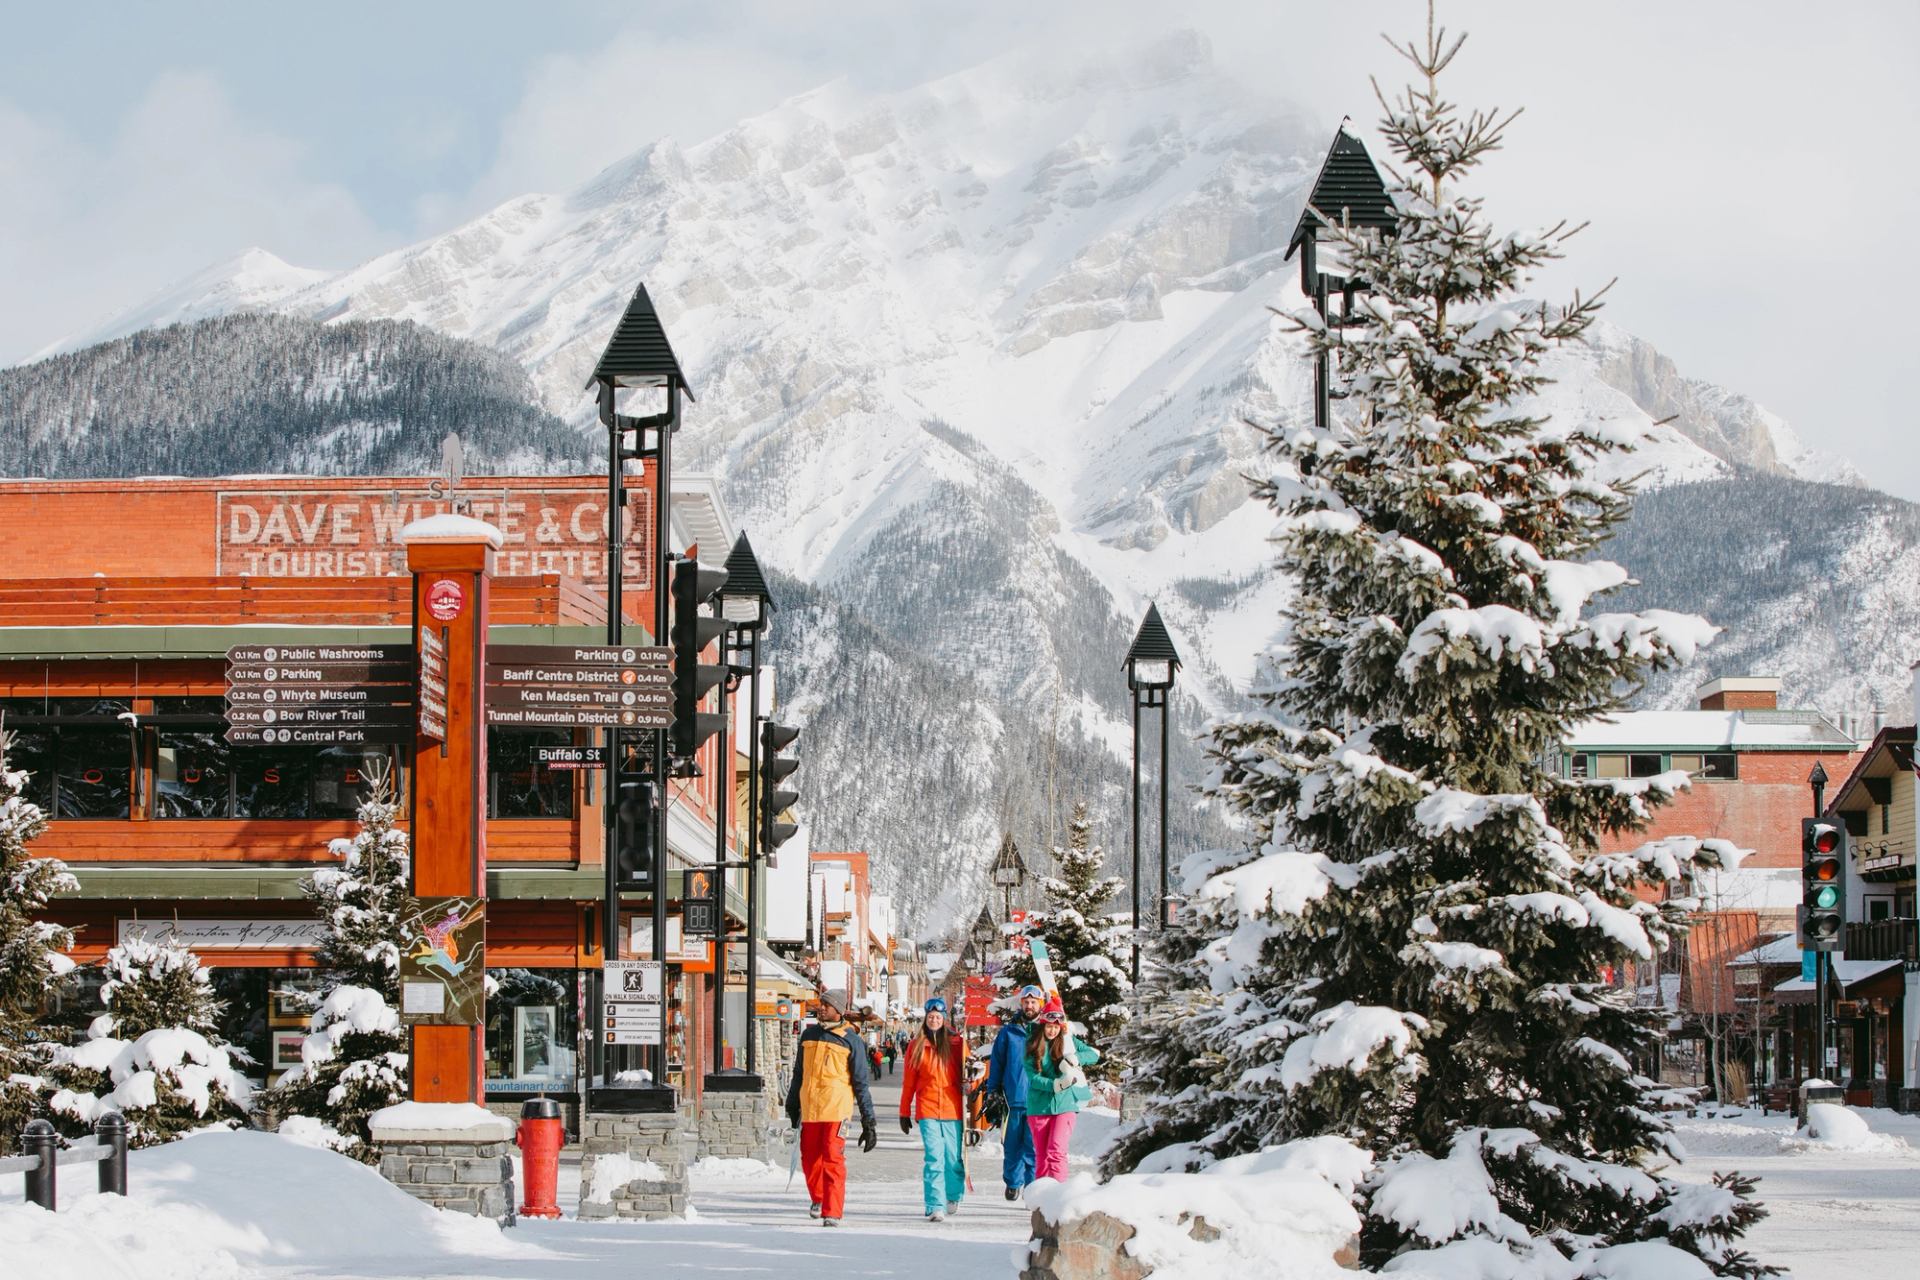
<point>1823,889</point>
<point>774,799</point>
<point>633,833</point>
<point>693,586</point>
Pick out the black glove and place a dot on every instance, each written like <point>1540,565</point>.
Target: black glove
<point>868,1138</point>
<point>906,1125</point>
<point>994,1110</point>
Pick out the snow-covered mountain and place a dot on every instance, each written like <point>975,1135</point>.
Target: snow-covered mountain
<point>975,361</point>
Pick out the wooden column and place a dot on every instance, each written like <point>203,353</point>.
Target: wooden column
<point>451,558</point>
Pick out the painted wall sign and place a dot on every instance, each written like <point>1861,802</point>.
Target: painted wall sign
<point>355,533</point>
<point>229,935</point>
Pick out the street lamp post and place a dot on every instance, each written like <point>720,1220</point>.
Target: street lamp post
<point>1009,873</point>
<point>746,602</point>
<point>1822,962</point>
<point>1151,663</point>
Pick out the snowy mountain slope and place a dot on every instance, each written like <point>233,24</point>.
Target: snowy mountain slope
<point>976,360</point>
<point>253,280</point>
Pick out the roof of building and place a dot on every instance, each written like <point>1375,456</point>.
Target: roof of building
<point>1782,949</point>
<point>1890,752</point>
<point>1749,730</point>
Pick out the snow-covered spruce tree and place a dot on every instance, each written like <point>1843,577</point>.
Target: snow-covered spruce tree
<point>1410,954</point>
<point>155,1055</point>
<point>1087,946</point>
<point>32,952</point>
<point>354,1059</point>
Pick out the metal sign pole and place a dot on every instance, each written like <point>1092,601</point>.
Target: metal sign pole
<point>663,538</point>
<point>753,843</point>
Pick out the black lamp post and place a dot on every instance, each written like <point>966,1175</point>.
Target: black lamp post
<point>748,605</point>
<point>1151,664</point>
<point>1822,962</point>
<point>983,933</point>
<point>638,355</point>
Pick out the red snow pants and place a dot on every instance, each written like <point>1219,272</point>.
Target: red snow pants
<point>823,1157</point>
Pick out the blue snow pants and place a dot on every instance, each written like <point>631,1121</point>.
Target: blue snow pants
<point>943,1178</point>
<point>1016,1166</point>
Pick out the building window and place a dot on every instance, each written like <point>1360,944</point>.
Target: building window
<point>196,774</point>
<point>193,765</point>
<point>1722,765</point>
<point>533,1027</point>
<point>1579,765</point>
<point>1643,764</point>
<point>1886,819</point>
<point>517,785</point>
<point>79,752</point>
<point>1609,766</point>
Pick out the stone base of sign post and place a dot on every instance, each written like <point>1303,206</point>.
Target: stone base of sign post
<point>451,1155</point>
<point>633,1166</point>
<point>733,1117</point>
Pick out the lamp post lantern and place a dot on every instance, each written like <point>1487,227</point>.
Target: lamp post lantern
<point>1009,873</point>
<point>982,934</point>
<point>1151,663</point>
<point>638,355</point>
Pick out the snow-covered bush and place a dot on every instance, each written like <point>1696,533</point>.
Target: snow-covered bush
<point>1409,954</point>
<point>32,951</point>
<point>155,1055</point>
<point>354,1059</point>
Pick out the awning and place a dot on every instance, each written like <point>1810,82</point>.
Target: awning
<point>1849,974</point>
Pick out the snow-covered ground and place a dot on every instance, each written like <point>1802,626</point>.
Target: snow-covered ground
<point>1835,1212</point>
<point>228,1205</point>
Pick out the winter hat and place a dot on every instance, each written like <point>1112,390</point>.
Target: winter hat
<point>1054,1011</point>
<point>837,997</point>
<point>935,1005</point>
<point>1031,990</point>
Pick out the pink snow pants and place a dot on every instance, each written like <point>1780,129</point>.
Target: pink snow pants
<point>1050,1135</point>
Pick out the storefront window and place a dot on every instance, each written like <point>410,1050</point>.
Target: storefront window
<point>517,786</point>
<point>193,766</point>
<point>79,752</point>
<point>532,1030</point>
<point>300,782</point>
<point>243,1015</point>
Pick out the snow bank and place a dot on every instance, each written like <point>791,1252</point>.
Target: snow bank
<point>1281,1214</point>
<point>216,1206</point>
<point>436,1117</point>
<point>734,1169</point>
<point>605,1174</point>
<point>1832,1127</point>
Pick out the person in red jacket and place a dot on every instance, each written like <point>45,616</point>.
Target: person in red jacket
<point>935,1086</point>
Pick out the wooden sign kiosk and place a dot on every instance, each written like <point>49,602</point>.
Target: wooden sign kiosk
<point>443,961</point>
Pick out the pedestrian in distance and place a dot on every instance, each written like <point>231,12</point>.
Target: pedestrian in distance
<point>1006,1091</point>
<point>891,1051</point>
<point>1056,1088</point>
<point>829,1083</point>
<point>934,1085</point>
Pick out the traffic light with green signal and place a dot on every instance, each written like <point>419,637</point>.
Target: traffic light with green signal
<point>1823,888</point>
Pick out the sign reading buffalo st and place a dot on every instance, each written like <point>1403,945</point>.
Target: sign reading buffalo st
<point>566,686</point>
<point>556,528</point>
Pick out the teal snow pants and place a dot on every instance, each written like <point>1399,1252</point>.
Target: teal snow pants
<point>943,1178</point>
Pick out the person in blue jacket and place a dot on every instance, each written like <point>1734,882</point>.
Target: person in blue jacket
<point>1006,1090</point>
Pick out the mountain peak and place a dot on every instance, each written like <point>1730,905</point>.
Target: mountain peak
<point>251,280</point>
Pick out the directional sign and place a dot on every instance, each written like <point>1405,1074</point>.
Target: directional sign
<point>433,685</point>
<point>318,736</point>
<point>604,699</point>
<point>317,696</point>
<point>319,673</point>
<point>580,717</point>
<point>601,656</point>
<point>296,654</point>
<point>380,713</point>
<point>546,673</point>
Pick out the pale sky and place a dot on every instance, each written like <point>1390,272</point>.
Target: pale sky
<point>1744,163</point>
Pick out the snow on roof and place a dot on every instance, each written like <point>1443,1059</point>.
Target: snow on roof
<point>1784,949</point>
<point>1846,972</point>
<point>1739,730</point>
<point>1749,889</point>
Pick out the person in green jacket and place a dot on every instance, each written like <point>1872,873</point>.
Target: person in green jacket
<point>1056,1088</point>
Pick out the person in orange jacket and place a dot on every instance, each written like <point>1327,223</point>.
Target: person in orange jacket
<point>935,1086</point>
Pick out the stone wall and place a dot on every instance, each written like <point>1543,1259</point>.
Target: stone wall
<point>655,1138</point>
<point>464,1176</point>
<point>734,1126</point>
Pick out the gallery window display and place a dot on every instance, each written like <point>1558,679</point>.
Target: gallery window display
<point>533,1029</point>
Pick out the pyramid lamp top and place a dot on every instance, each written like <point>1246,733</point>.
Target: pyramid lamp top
<point>1348,188</point>
<point>1152,660</point>
<point>745,599</point>
<point>638,354</point>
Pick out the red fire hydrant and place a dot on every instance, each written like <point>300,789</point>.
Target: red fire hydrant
<point>539,1138</point>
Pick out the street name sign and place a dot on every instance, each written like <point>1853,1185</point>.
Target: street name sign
<point>571,757</point>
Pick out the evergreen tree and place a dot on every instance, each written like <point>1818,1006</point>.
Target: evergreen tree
<point>32,952</point>
<point>155,1055</point>
<point>1087,947</point>
<point>354,1059</point>
<point>1409,955</point>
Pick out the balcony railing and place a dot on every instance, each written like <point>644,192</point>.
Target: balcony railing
<point>1897,939</point>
